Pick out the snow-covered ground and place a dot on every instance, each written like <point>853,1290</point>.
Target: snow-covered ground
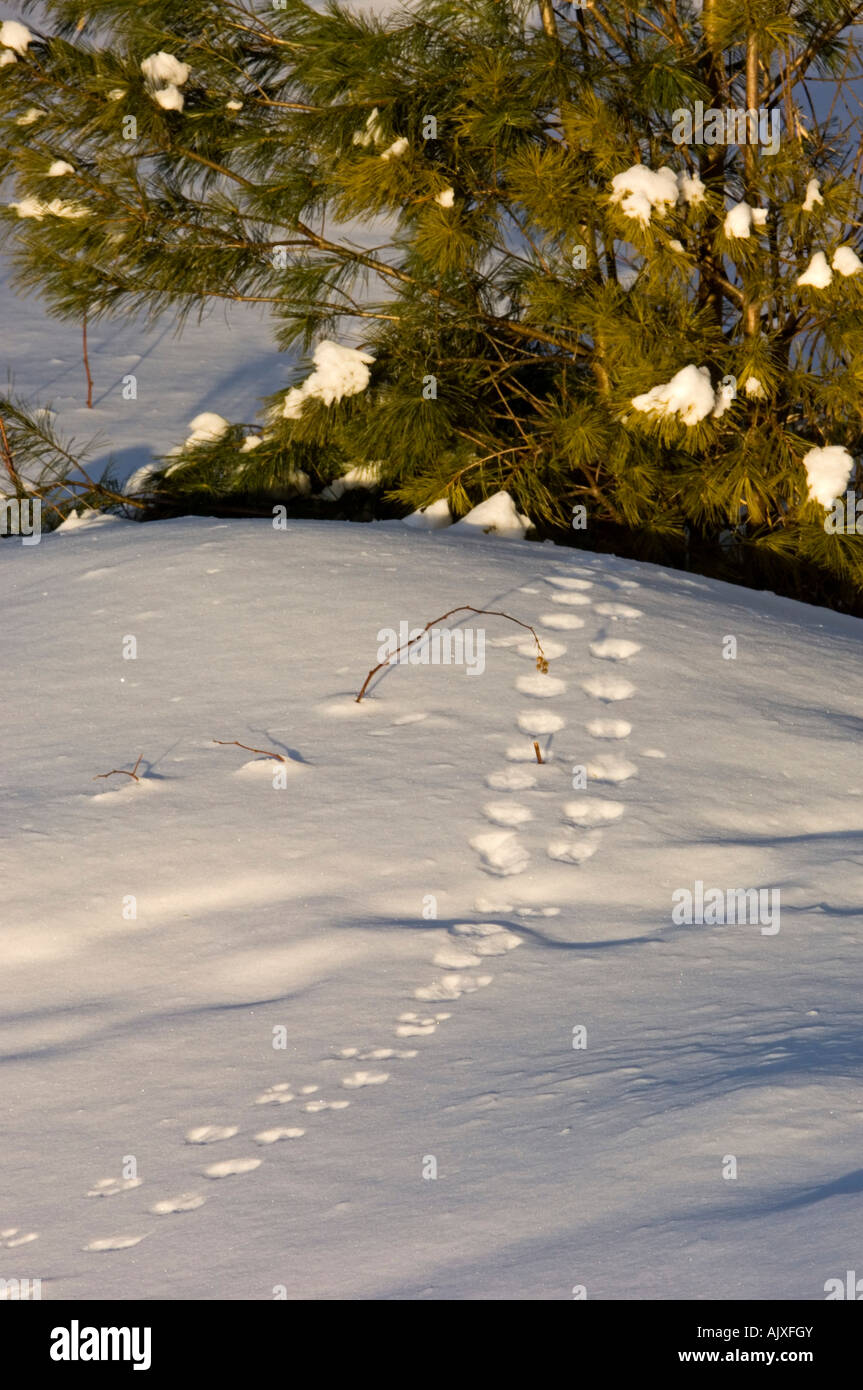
<point>418,1043</point>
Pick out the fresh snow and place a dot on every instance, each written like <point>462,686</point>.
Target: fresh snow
<point>506,1071</point>
<point>641,191</point>
<point>828,472</point>
<point>688,394</point>
<point>496,516</point>
<point>15,36</point>
<point>846,261</point>
<point>817,273</point>
<point>813,195</point>
<point>339,371</point>
<point>164,69</point>
<point>740,220</point>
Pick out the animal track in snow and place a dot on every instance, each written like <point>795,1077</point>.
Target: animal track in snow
<point>570,851</point>
<point>524,753</point>
<point>608,688</point>
<point>414,1026</point>
<point>561,622</point>
<point>274,1136</point>
<point>551,649</point>
<point>609,728</point>
<point>536,722</point>
<point>590,811</point>
<point>572,600</point>
<point>614,649</point>
<point>617,610</point>
<point>232,1167</point>
<point>625,583</point>
<point>315,1107</point>
<point>12,1237</point>
<point>110,1187</point>
<point>561,581</point>
<point>211,1134</point>
<point>375,1054</point>
<point>507,813</point>
<point>512,780</point>
<point>537,911</point>
<point>501,853</point>
<point>364,1078</point>
<point>169,1206</point>
<point>652,753</point>
<point>610,767</point>
<point>280,1094</point>
<point>114,1243</point>
<point>541,687</point>
<point>452,987</point>
<point>485,938</point>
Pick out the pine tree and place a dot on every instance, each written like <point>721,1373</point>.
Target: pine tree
<point>530,247</point>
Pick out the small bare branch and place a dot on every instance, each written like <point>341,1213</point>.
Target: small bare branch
<point>541,662</point>
<point>122,772</point>
<point>234,743</point>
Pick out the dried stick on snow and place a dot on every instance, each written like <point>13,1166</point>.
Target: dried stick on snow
<point>234,743</point>
<point>536,751</point>
<point>122,772</point>
<point>541,662</point>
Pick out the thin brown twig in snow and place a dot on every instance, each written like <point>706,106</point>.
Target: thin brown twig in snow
<point>536,751</point>
<point>87,366</point>
<point>122,772</point>
<point>541,663</point>
<point>234,743</point>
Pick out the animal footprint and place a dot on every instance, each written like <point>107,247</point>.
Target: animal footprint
<point>232,1167</point>
<point>588,811</point>
<point>608,688</point>
<point>501,853</point>
<point>614,649</point>
<point>538,722</point>
<point>486,938</point>
<point>452,987</point>
<point>110,1187</point>
<point>512,780</point>
<point>539,686</point>
<point>169,1206</point>
<point>376,1054</point>
<point>564,582</point>
<point>507,813</point>
<point>611,768</point>
<point>11,1238</point>
<point>315,1107</point>
<point>617,610</point>
<point>115,1243</point>
<point>280,1094</point>
<point>561,622</point>
<point>572,600</point>
<point>412,1025</point>
<point>569,851</point>
<point>551,650</point>
<point>609,728</point>
<point>211,1134</point>
<point>273,1136</point>
<point>364,1078</point>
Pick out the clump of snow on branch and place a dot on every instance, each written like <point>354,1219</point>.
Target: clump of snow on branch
<point>396,149</point>
<point>15,36</point>
<point>59,168</point>
<point>445,198</point>
<point>30,115</point>
<point>846,261</point>
<point>207,428</point>
<point>339,371</point>
<point>165,75</point>
<point>372,132</point>
<point>7,57</point>
<point>688,394</point>
<point>813,195</point>
<point>827,472</point>
<point>753,388</point>
<point>36,209</point>
<point>817,274</point>
<point>740,220</point>
<point>363,475</point>
<point>640,191</point>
